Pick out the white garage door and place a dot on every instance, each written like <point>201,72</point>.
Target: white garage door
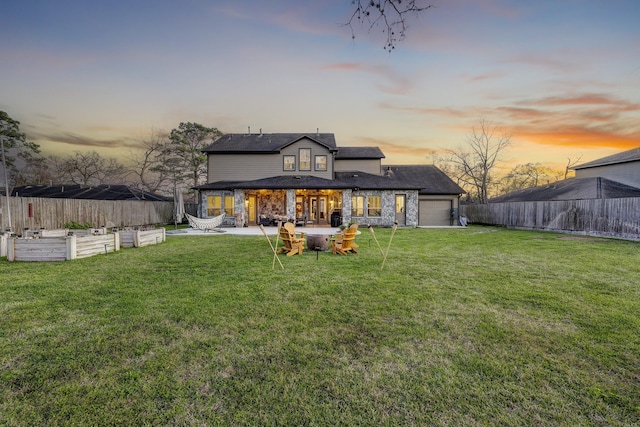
<point>434,212</point>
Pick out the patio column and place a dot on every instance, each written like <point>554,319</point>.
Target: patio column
<point>240,214</point>
<point>291,204</point>
<point>346,206</point>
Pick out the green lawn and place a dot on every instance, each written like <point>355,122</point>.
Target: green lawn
<point>478,326</point>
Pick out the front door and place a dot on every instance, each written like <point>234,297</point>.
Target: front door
<point>251,209</point>
<point>318,207</point>
<point>401,215</point>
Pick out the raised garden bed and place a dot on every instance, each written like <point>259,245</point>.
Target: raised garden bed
<point>61,248</point>
<point>139,238</point>
<point>62,232</point>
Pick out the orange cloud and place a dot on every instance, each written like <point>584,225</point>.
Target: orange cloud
<point>582,120</point>
<point>587,99</point>
<point>578,137</point>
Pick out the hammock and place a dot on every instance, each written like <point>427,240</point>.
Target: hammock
<point>205,223</point>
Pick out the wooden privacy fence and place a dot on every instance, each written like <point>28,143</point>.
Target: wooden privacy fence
<point>619,218</point>
<point>36,212</point>
<point>61,248</point>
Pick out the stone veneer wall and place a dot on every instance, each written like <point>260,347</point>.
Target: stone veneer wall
<point>411,208</point>
<point>272,203</point>
<point>386,219</point>
<point>388,205</point>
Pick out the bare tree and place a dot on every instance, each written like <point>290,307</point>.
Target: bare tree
<point>570,165</point>
<point>145,163</point>
<point>473,166</point>
<point>91,169</point>
<point>391,15</point>
<point>528,175</point>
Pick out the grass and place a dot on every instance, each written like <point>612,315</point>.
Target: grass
<point>476,326</point>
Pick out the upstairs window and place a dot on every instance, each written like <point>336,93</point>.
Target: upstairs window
<point>289,163</point>
<point>321,163</point>
<point>305,159</point>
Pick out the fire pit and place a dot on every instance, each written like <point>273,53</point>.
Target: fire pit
<point>317,242</point>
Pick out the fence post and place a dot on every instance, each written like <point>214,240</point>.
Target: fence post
<point>3,245</point>
<point>72,251</point>
<point>11,249</point>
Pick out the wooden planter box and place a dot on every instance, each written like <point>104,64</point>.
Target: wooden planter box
<point>139,238</point>
<point>4,239</point>
<point>63,232</point>
<point>61,248</point>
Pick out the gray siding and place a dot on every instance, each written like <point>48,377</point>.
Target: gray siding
<point>248,167</point>
<point>367,165</point>
<point>316,150</point>
<point>626,173</point>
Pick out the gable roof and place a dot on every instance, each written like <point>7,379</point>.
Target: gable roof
<point>349,153</point>
<point>367,181</point>
<point>99,192</point>
<point>572,189</point>
<point>233,143</point>
<point>429,178</point>
<point>632,155</point>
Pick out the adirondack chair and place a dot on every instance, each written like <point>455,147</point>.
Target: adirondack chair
<point>345,243</point>
<point>292,242</point>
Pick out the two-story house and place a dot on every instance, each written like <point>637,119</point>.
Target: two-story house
<point>612,177</point>
<point>621,167</point>
<point>308,179</point>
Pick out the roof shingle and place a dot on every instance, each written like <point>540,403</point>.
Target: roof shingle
<point>632,155</point>
<point>572,189</point>
<point>348,153</point>
<point>428,178</point>
<point>265,142</point>
<point>98,192</point>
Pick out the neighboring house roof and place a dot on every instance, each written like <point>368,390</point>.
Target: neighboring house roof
<point>428,178</point>
<point>572,189</point>
<point>98,192</point>
<point>349,153</point>
<point>632,155</point>
<point>233,143</point>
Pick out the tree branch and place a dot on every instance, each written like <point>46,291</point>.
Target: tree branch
<point>392,14</point>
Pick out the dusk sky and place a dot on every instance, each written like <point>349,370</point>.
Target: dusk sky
<point>563,76</point>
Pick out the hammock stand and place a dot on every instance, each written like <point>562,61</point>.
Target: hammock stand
<point>206,224</point>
